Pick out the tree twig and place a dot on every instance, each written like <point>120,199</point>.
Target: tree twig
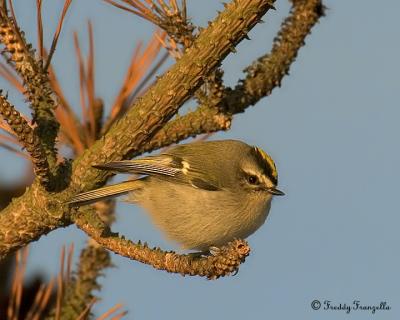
<point>225,262</point>
<point>38,90</point>
<point>28,138</point>
<point>267,72</point>
<point>166,96</point>
<point>37,213</point>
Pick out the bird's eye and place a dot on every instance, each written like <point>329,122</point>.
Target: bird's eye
<point>252,179</point>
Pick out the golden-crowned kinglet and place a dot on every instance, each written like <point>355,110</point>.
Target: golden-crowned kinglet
<point>201,194</point>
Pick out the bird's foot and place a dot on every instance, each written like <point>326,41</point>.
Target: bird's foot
<point>212,251</point>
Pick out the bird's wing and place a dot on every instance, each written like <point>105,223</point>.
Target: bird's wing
<point>170,166</point>
<point>154,165</point>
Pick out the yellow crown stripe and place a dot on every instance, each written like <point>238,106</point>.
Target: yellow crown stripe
<point>269,161</point>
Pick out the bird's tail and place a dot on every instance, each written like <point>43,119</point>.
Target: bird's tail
<point>104,193</point>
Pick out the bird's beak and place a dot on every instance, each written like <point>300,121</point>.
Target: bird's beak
<point>275,192</point>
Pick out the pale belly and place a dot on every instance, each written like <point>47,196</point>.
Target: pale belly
<point>198,219</point>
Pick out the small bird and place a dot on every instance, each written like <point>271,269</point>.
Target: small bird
<point>202,194</point>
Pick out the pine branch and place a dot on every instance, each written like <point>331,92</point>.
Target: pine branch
<point>171,90</point>
<point>38,91</point>
<point>264,75</point>
<point>29,139</point>
<point>226,261</point>
<point>267,72</point>
<point>203,120</point>
<point>78,290</point>
<point>37,213</point>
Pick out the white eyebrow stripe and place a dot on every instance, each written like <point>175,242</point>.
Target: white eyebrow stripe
<point>262,177</point>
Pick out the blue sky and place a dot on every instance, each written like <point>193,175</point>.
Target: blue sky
<point>333,130</point>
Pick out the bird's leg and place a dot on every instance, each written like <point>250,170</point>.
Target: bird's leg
<point>212,251</point>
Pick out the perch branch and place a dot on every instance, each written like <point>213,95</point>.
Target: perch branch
<point>225,262</point>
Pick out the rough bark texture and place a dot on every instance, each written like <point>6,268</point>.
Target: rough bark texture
<point>38,212</point>
<point>225,262</point>
<point>36,83</point>
<point>148,125</point>
<point>29,139</point>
